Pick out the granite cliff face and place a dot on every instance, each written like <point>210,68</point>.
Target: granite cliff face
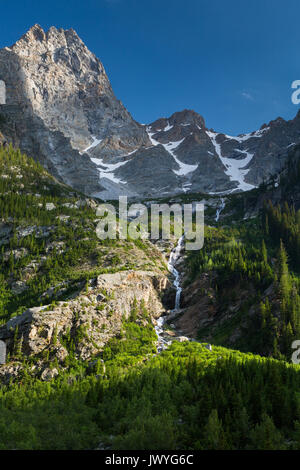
<point>61,109</point>
<point>58,98</point>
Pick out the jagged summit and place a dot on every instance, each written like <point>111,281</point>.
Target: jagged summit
<point>185,117</point>
<point>61,109</point>
<point>61,101</point>
<point>36,32</point>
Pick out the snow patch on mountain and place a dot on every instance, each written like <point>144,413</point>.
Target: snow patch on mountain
<point>107,170</point>
<point>168,127</point>
<point>93,144</point>
<point>235,169</point>
<point>184,168</point>
<point>244,137</point>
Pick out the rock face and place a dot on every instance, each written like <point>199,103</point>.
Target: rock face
<point>60,108</point>
<point>285,188</point>
<point>3,140</point>
<point>212,162</point>
<point>2,92</point>
<point>90,319</point>
<point>59,101</point>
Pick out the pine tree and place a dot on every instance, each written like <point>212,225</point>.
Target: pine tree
<point>214,435</point>
<point>283,271</point>
<point>265,436</point>
<point>264,253</point>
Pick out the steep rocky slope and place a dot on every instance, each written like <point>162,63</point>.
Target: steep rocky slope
<point>58,97</point>
<point>283,188</point>
<point>84,324</point>
<point>212,162</point>
<point>62,289</point>
<point>61,109</point>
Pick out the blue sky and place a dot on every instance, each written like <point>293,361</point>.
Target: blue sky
<point>232,61</point>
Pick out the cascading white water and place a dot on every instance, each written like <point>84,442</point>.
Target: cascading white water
<point>174,256</point>
<point>220,209</point>
<point>161,342</point>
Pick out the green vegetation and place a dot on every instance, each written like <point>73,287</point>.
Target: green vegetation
<point>283,224</point>
<point>186,398</point>
<point>249,262</point>
<point>52,252</point>
<point>127,396</point>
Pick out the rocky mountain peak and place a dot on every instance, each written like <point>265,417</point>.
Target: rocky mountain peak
<point>35,33</point>
<point>61,109</point>
<point>61,102</point>
<point>57,46</point>
<point>277,122</point>
<point>186,117</point>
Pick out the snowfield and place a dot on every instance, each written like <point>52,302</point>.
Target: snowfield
<point>235,169</point>
<point>184,168</point>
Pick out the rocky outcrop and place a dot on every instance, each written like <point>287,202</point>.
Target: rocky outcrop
<point>199,307</point>
<point>3,140</point>
<point>89,320</point>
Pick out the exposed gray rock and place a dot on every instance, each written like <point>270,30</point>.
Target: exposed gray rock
<point>182,339</point>
<point>49,374</point>
<point>185,156</point>
<point>50,206</point>
<point>9,372</point>
<point>91,319</point>
<point>60,108</point>
<point>17,254</point>
<point>2,92</point>
<point>58,100</point>
<point>19,287</point>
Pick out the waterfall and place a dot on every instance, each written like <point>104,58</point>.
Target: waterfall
<point>174,256</point>
<point>220,209</point>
